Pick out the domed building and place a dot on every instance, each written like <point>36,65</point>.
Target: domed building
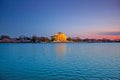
<point>59,37</point>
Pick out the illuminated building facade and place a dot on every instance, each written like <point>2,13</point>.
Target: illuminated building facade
<point>60,37</point>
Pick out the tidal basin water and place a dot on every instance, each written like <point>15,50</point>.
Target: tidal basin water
<point>60,61</point>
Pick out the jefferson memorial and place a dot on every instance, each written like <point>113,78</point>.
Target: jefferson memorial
<point>59,37</point>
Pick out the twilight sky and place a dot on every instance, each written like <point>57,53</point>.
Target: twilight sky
<point>83,18</point>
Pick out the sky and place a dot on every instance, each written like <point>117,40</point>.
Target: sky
<point>75,18</point>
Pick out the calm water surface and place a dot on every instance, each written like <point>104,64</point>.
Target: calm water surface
<point>49,61</point>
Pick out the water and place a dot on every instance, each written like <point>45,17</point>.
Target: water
<point>49,61</point>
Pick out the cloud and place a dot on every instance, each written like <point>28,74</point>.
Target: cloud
<point>110,33</point>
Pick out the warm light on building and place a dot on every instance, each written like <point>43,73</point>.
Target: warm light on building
<point>60,37</point>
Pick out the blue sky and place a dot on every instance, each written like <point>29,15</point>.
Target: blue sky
<point>46,17</point>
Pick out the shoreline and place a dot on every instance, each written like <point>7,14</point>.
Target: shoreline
<point>52,42</point>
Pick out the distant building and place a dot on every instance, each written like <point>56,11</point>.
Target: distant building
<point>59,37</point>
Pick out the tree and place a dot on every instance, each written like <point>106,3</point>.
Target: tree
<point>34,39</point>
<point>77,39</point>
<point>52,38</point>
<point>43,39</point>
<point>69,39</point>
<point>5,37</point>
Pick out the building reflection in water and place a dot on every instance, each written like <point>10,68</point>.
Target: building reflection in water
<point>60,49</point>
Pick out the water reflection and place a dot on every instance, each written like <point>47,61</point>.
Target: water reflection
<point>62,61</point>
<point>60,49</point>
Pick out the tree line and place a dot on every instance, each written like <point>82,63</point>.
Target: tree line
<point>37,39</point>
